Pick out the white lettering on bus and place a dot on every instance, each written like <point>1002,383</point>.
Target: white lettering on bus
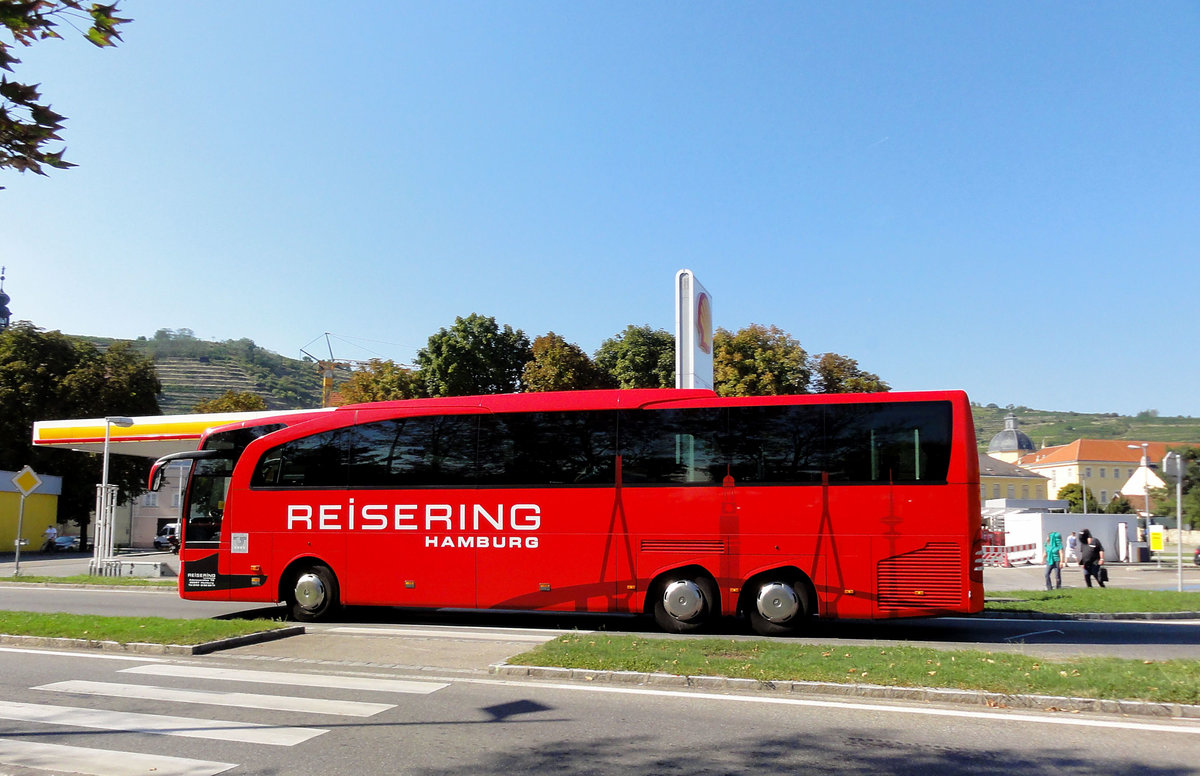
<point>328,517</point>
<point>525,517</point>
<point>405,513</point>
<point>437,520</point>
<point>298,513</point>
<point>440,513</point>
<point>482,542</point>
<point>371,512</point>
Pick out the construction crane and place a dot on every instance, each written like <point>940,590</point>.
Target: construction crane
<point>328,366</point>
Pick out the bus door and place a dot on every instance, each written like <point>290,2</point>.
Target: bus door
<point>200,530</point>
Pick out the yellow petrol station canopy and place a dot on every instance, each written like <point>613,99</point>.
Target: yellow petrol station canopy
<point>151,436</point>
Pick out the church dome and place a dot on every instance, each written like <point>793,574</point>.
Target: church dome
<point>1010,440</point>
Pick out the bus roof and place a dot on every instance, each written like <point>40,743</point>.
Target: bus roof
<point>154,436</point>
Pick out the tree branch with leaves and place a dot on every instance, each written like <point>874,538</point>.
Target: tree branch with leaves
<point>28,126</point>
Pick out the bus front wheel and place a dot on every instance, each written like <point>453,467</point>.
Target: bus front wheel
<point>778,607</point>
<point>684,604</point>
<point>314,594</point>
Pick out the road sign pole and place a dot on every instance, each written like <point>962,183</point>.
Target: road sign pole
<point>20,522</point>
<point>27,482</point>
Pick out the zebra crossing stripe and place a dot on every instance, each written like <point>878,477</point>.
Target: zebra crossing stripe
<point>102,762</point>
<point>327,681</point>
<point>215,698</point>
<point>159,724</point>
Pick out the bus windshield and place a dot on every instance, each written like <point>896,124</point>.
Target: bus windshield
<point>210,483</point>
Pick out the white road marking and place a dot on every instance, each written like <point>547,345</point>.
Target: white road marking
<point>366,684</point>
<point>1049,718</point>
<point>215,698</point>
<point>532,637</point>
<point>159,724</point>
<point>82,654</point>
<point>102,762</point>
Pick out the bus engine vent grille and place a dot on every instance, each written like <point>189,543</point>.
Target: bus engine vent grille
<point>683,545</point>
<point>929,578</point>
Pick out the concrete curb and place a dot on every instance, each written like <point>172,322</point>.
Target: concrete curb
<point>872,691</point>
<point>172,588</point>
<point>139,648</point>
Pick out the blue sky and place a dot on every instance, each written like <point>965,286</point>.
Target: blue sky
<point>999,197</point>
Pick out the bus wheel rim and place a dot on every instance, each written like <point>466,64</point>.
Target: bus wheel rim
<point>310,591</point>
<point>683,599</point>
<point>778,602</point>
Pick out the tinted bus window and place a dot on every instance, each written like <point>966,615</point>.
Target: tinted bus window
<point>547,448</point>
<point>888,442</point>
<point>776,444</point>
<point>414,452</point>
<point>316,461</point>
<point>235,441</point>
<point>678,447</point>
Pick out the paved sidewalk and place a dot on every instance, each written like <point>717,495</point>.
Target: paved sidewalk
<point>1131,576</point>
<point>69,564</point>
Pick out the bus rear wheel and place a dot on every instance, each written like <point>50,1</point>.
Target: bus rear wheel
<point>778,608</point>
<point>684,604</point>
<point>313,594</point>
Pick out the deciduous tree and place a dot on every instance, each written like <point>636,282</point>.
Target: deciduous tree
<point>833,373</point>
<point>381,380</point>
<point>639,357</point>
<point>48,376</point>
<point>474,356</point>
<point>1073,494</point>
<point>558,365</point>
<point>27,125</point>
<point>233,401</point>
<point>759,361</point>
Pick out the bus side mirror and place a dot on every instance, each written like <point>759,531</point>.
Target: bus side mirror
<point>157,472</point>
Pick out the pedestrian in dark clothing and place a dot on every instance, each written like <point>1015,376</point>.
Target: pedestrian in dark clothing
<point>1092,560</point>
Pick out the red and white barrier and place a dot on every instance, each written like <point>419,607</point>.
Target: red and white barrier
<point>1008,555</point>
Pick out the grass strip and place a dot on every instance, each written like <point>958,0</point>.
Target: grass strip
<point>150,630</point>
<point>89,579</point>
<point>1099,600</point>
<point>1163,681</point>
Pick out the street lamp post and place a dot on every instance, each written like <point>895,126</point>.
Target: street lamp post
<point>102,540</point>
<point>1173,466</point>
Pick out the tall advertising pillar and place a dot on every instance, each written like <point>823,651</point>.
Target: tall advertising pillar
<point>693,333</point>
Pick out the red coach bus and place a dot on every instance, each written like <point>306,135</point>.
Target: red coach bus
<point>674,503</point>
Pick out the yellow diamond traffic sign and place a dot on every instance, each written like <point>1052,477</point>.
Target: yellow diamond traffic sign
<point>26,481</point>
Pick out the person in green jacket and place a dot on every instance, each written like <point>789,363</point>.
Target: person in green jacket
<point>1054,559</point>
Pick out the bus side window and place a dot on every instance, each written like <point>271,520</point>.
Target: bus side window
<point>315,461</point>
<point>268,468</point>
<point>776,444</point>
<point>673,446</point>
<point>900,443</point>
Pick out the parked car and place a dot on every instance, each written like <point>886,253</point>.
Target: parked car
<point>66,544</point>
<point>1196,557</point>
<point>169,538</point>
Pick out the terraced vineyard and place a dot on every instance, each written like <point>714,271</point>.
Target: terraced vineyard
<point>193,370</point>
<point>186,382</point>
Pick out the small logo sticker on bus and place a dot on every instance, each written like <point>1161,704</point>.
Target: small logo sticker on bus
<point>239,543</point>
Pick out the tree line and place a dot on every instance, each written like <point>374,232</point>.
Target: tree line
<point>477,355</point>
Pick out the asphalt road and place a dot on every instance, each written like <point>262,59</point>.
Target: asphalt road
<point>117,715</point>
